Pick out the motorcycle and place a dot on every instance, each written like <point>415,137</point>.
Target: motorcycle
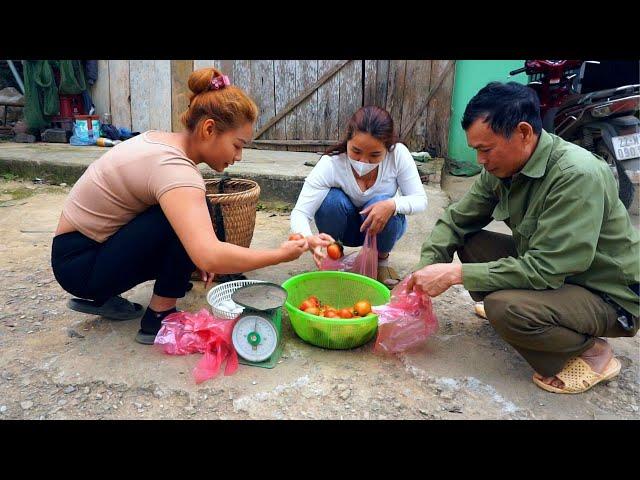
<point>594,104</point>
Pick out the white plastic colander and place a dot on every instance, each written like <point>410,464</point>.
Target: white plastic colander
<point>222,293</point>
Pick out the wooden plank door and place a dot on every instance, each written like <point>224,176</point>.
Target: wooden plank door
<point>120,93</point>
<point>150,95</point>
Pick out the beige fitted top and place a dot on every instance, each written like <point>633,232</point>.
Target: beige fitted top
<point>124,182</point>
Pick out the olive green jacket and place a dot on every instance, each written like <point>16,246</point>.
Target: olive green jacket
<point>567,221</point>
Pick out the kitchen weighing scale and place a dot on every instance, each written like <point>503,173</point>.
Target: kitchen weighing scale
<point>257,334</point>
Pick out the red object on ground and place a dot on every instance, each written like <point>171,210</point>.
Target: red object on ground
<point>183,333</point>
<point>405,322</point>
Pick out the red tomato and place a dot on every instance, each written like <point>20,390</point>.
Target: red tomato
<point>331,314</point>
<point>345,313</point>
<point>335,251</point>
<point>313,299</point>
<point>313,311</point>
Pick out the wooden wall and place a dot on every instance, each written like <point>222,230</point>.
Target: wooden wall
<point>152,94</point>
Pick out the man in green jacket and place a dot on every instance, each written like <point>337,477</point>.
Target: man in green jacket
<point>569,274</point>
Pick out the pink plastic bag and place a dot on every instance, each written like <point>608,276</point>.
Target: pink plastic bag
<point>344,264</point>
<point>364,262</point>
<point>405,322</point>
<point>183,333</point>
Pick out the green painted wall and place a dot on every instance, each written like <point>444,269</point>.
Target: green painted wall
<point>471,76</point>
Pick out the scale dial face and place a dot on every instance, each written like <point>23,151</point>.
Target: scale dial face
<point>255,338</point>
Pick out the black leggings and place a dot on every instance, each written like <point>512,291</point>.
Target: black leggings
<point>147,248</point>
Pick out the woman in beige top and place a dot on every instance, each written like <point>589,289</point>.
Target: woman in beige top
<point>139,212</point>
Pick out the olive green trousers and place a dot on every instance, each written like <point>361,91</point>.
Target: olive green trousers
<point>546,327</point>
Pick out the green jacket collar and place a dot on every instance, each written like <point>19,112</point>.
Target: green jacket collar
<point>536,166</point>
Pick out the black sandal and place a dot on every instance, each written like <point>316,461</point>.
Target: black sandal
<point>148,337</point>
<point>115,308</point>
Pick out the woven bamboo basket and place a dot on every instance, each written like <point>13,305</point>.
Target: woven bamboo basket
<point>238,202</point>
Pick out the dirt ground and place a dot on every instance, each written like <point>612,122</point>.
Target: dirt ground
<point>60,364</point>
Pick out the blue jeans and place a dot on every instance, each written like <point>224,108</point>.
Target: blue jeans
<point>341,219</point>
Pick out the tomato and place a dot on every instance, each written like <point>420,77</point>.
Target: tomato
<point>313,299</point>
<point>332,314</point>
<point>306,304</point>
<point>335,250</point>
<point>313,311</point>
<point>363,308</point>
<point>345,313</point>
<point>295,236</point>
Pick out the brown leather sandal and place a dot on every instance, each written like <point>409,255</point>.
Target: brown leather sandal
<point>388,276</point>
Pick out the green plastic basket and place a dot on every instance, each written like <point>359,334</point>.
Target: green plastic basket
<point>340,290</point>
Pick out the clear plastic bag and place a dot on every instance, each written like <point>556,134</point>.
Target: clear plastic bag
<point>183,333</point>
<point>405,322</point>
<point>364,262</point>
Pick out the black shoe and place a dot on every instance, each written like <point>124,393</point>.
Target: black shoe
<point>146,338</point>
<point>151,324</point>
<point>115,308</point>
<point>230,277</point>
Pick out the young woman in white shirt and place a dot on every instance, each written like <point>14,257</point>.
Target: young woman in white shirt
<point>368,181</point>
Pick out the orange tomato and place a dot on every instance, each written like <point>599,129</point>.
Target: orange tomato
<point>335,251</point>
<point>331,314</point>
<point>295,236</point>
<point>313,299</point>
<point>363,308</point>
<point>313,311</point>
<point>345,313</point>
<point>306,304</point>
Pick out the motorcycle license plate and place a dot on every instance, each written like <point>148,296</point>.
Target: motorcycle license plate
<point>626,146</point>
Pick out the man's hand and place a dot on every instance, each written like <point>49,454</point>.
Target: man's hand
<point>435,279</point>
<point>317,243</point>
<point>378,215</point>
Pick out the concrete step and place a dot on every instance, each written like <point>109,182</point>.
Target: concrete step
<point>280,174</point>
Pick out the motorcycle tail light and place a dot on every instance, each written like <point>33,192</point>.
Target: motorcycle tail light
<point>624,105</point>
<point>603,111</point>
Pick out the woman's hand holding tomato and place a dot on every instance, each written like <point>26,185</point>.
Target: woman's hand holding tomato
<point>292,249</point>
<point>316,244</point>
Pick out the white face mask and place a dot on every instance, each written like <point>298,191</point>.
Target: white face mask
<point>362,168</point>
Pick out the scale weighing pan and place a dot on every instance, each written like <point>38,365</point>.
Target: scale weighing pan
<point>260,296</point>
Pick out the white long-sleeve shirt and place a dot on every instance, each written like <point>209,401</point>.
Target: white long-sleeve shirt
<point>398,177</point>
